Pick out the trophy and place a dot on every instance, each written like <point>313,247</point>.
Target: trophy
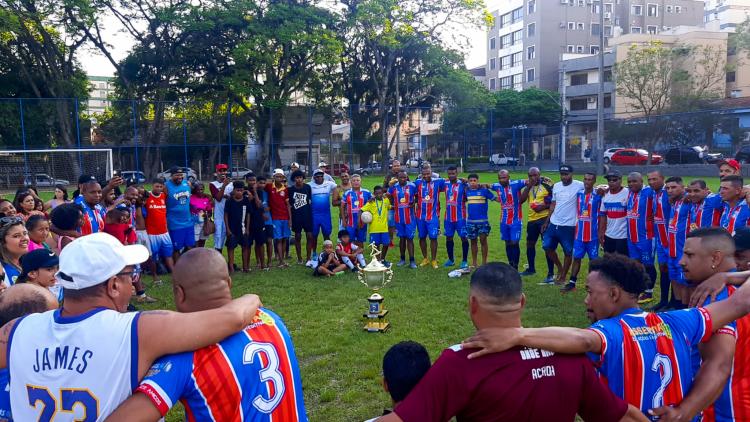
<point>376,276</point>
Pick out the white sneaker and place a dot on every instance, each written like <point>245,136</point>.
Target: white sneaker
<point>310,264</point>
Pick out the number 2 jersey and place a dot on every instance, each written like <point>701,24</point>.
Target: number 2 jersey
<point>250,376</point>
<point>646,357</point>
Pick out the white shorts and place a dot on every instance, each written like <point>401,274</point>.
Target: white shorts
<point>198,230</point>
<point>142,239</point>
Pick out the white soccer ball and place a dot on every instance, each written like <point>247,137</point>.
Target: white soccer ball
<point>366,217</point>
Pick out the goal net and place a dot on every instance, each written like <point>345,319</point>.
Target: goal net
<point>45,168</point>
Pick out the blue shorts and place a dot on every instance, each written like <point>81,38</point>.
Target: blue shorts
<point>281,229</point>
<point>675,271</point>
<point>358,235</point>
<point>380,238</point>
<point>161,245</point>
<point>562,235</point>
<point>183,238</point>
<point>510,232</point>
<point>643,251</point>
<point>581,249</point>
<point>428,228</point>
<point>322,224</point>
<point>406,231</point>
<point>453,227</point>
<point>391,219</point>
<point>662,253</point>
<point>474,230</point>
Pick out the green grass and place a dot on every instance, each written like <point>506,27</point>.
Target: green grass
<point>341,363</point>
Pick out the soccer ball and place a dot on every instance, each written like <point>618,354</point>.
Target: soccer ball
<point>366,217</point>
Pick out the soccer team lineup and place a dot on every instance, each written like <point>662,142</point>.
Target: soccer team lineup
<point>514,295</point>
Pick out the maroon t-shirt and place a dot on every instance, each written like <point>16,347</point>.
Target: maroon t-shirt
<point>277,201</point>
<point>520,384</point>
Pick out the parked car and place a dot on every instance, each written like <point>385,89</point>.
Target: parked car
<point>632,156</point>
<point>190,175</point>
<point>372,167</point>
<point>415,163</point>
<point>743,154</point>
<point>43,180</point>
<point>691,155</point>
<point>239,172</point>
<point>136,176</point>
<point>609,152</point>
<point>503,160</point>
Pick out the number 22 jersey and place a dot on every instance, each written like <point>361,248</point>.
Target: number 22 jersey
<point>250,376</point>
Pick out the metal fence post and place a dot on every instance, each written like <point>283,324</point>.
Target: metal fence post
<point>309,139</point>
<point>229,134</point>
<point>351,140</point>
<point>490,133</point>
<point>135,134</point>
<point>23,139</point>
<point>184,135</point>
<point>78,137</point>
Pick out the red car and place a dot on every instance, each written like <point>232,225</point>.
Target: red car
<point>632,156</point>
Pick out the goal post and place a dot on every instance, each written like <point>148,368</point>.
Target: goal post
<point>45,168</point>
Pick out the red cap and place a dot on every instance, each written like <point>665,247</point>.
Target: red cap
<point>731,163</point>
<point>221,167</point>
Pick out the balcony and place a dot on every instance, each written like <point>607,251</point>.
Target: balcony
<point>587,115</point>
<point>588,89</point>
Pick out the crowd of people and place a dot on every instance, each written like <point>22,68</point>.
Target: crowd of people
<point>77,349</point>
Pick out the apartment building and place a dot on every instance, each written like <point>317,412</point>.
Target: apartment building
<point>531,37</point>
<point>726,14</point>
<point>100,88</point>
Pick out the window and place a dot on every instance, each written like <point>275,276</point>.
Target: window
<point>607,7</point>
<point>636,10</point>
<point>532,6</point>
<point>635,29</point>
<point>578,104</point>
<point>595,27</point>
<point>492,43</point>
<point>505,41</point>
<point>517,59</point>
<point>651,29</point>
<point>504,62</point>
<point>505,20</point>
<point>731,76</point>
<point>617,21</point>
<point>516,14</point>
<point>531,30</point>
<point>492,84</point>
<point>595,9</point>
<point>607,101</point>
<point>581,3</point>
<point>493,63</point>
<point>531,53</point>
<point>518,81</point>
<point>594,49</point>
<point>530,75</point>
<point>607,76</point>
<point>517,36</point>
<point>607,30</point>
<point>652,9</point>
<point>579,49</point>
<point>669,8</point>
<point>506,82</point>
<point>579,79</point>
<point>581,26</point>
<point>571,49</point>
<point>571,25</point>
<point>678,9</point>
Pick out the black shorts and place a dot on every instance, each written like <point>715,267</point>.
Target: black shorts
<point>616,246</point>
<point>302,223</point>
<point>258,234</point>
<point>268,228</point>
<point>534,231</point>
<point>239,240</point>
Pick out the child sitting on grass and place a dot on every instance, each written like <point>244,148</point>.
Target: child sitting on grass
<point>328,263</point>
<point>348,251</point>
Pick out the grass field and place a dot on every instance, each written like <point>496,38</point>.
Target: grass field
<point>340,363</point>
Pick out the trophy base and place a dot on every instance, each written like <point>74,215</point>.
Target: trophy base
<point>379,315</point>
<point>377,326</point>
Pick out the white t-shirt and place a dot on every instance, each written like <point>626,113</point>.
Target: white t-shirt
<point>565,198</point>
<point>614,206</point>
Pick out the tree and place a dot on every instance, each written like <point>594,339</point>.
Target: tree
<point>532,106</point>
<point>740,40</point>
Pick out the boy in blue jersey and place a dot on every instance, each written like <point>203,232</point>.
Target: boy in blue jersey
<point>477,220</point>
<point>645,358</point>
<point>179,219</point>
<point>251,375</point>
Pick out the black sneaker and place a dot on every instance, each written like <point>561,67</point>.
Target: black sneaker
<point>527,273</point>
<point>568,287</point>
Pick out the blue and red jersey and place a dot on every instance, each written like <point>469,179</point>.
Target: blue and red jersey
<point>510,199</point>
<point>708,212</point>
<point>640,215</point>
<point>679,226</point>
<point>455,201</point>
<point>402,200</point>
<point>428,199</point>
<point>353,201</point>
<point>736,216</point>
<point>645,358</point>
<point>252,376</point>
<point>662,210</point>
<point>93,218</point>
<point>588,216</point>
<point>477,204</point>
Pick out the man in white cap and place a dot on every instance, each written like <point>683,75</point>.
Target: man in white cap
<point>292,168</point>
<point>324,167</point>
<point>87,357</point>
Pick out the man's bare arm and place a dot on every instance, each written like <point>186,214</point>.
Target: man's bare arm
<point>726,311</point>
<point>171,332</point>
<point>4,339</point>
<point>137,408</point>
<point>632,415</point>
<point>555,339</point>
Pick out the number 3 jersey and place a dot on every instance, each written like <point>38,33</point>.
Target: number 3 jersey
<point>646,357</point>
<point>72,368</point>
<point>250,376</point>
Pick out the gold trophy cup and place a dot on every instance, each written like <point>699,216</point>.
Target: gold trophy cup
<point>375,276</point>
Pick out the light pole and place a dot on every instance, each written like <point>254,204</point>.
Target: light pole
<point>600,97</point>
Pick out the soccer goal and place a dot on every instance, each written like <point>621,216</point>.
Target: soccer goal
<point>45,168</point>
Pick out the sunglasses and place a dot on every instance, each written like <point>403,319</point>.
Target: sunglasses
<point>5,221</point>
<point>133,274</point>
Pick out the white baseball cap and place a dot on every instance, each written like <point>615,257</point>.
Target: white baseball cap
<point>94,259</point>
<point>278,171</point>
<point>294,164</point>
<point>322,164</point>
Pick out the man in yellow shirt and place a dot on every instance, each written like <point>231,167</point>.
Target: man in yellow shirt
<point>379,206</point>
<point>540,195</point>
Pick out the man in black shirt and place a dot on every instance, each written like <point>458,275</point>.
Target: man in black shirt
<point>300,200</point>
<point>258,234</point>
<point>237,222</point>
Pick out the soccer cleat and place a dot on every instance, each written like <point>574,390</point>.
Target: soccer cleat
<point>568,287</point>
<point>527,273</point>
<point>464,265</point>
<point>413,265</point>
<point>550,279</point>
<point>401,263</point>
<point>310,264</point>
<point>547,282</point>
<point>425,262</point>
<point>387,264</point>
<point>449,263</point>
<point>434,265</point>
<point>645,297</point>
<point>145,299</point>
